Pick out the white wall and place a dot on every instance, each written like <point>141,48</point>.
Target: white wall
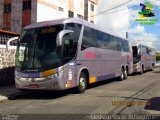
<point>45,13</point>
<point>78,7</point>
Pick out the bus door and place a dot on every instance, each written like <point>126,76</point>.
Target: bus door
<point>69,54</point>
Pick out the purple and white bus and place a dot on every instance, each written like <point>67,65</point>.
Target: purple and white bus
<point>144,57</point>
<point>67,53</point>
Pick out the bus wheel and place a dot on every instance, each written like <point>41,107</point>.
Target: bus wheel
<point>82,83</point>
<point>142,70</point>
<point>125,74</point>
<point>122,77</point>
<point>152,67</point>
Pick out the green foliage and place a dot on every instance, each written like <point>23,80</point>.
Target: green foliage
<point>158,57</point>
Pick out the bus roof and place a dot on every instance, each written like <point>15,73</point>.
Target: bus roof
<point>71,20</point>
<point>137,43</point>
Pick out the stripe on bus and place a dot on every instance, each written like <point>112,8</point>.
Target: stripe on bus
<point>105,77</point>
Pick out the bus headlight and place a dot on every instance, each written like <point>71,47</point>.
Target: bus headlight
<point>30,79</point>
<point>40,79</point>
<point>35,79</point>
<point>23,79</point>
<point>17,77</point>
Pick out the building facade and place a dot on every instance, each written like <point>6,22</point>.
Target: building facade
<point>16,14</point>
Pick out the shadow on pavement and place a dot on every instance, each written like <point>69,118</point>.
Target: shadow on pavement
<point>154,104</point>
<point>39,95</point>
<point>7,76</point>
<point>157,118</point>
<point>46,95</point>
<point>156,70</point>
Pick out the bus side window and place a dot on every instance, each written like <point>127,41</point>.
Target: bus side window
<point>144,51</point>
<point>69,47</point>
<point>88,38</point>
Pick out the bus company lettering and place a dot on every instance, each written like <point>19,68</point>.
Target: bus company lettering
<point>89,54</point>
<point>129,58</point>
<point>48,30</point>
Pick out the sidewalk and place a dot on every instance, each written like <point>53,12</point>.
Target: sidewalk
<point>5,92</point>
<point>157,70</point>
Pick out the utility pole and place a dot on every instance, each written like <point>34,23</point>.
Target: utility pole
<point>126,35</point>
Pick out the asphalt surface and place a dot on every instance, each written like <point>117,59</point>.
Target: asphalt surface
<point>139,94</point>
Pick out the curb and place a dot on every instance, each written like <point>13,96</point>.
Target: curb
<point>2,98</point>
<point>156,70</point>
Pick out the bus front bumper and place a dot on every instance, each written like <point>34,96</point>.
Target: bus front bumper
<point>55,83</point>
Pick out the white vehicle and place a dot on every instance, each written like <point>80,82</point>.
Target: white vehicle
<point>157,63</point>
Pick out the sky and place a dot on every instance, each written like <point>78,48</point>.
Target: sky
<point>123,19</point>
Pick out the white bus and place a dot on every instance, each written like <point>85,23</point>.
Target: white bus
<point>67,53</point>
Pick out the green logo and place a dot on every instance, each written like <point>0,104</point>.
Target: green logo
<point>146,14</point>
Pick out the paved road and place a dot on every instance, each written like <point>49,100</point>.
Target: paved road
<point>138,94</point>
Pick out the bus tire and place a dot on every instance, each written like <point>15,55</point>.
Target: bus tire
<point>152,67</point>
<point>122,77</point>
<point>82,83</point>
<point>125,74</point>
<point>142,70</point>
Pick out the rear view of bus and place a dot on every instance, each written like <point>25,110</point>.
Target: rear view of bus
<point>144,57</point>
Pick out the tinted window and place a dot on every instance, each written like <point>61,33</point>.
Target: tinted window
<point>101,39</point>
<point>74,27</point>
<point>71,41</point>
<point>106,41</point>
<point>144,50</point>
<point>136,55</point>
<point>114,45</point>
<point>151,51</point>
<point>124,45</point>
<point>38,49</point>
<point>69,47</point>
<point>88,38</point>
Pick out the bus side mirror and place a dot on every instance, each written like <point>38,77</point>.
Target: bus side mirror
<point>60,35</point>
<point>9,41</point>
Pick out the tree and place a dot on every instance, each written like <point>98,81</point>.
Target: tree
<point>158,56</point>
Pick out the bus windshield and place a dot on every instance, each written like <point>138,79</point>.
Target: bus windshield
<point>136,55</point>
<point>38,49</point>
